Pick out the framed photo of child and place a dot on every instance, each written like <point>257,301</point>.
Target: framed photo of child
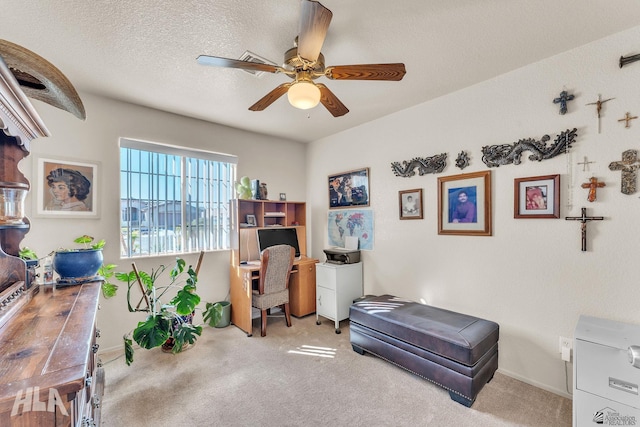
<point>410,204</point>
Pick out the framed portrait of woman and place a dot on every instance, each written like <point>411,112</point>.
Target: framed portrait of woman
<point>66,188</point>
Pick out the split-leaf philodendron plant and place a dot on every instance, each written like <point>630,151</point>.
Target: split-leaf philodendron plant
<point>168,324</point>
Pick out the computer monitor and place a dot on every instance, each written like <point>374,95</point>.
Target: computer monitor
<point>278,236</point>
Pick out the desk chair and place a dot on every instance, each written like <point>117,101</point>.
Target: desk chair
<point>273,289</point>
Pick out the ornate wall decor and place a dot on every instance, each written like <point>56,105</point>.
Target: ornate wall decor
<point>628,165</point>
<point>584,219</point>
<point>433,164</point>
<point>562,100</point>
<point>496,155</point>
<point>593,186</point>
<point>627,118</point>
<point>628,60</point>
<point>598,105</point>
<point>463,160</point>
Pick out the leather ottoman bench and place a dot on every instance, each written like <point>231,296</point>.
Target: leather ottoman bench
<point>453,350</point>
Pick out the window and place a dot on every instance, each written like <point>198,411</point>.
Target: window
<point>173,200</point>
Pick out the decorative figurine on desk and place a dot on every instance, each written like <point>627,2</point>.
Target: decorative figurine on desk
<point>263,191</point>
<point>243,187</point>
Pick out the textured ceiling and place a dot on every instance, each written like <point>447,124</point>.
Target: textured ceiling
<point>144,51</point>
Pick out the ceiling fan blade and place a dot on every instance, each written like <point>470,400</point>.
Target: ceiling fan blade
<point>331,102</point>
<point>314,23</point>
<point>236,63</point>
<point>392,72</point>
<point>271,97</point>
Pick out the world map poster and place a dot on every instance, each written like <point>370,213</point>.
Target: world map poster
<point>351,222</point>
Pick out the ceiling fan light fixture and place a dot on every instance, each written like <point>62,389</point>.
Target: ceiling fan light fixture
<point>304,95</point>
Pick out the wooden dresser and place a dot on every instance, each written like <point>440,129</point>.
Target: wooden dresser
<point>48,370</point>
<point>49,375</point>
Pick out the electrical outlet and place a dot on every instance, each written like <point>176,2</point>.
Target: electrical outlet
<point>565,348</point>
<point>565,343</point>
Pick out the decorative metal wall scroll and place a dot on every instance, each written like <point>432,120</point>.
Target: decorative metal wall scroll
<point>463,160</point>
<point>562,100</point>
<point>628,165</point>
<point>496,155</point>
<point>628,60</point>
<point>433,164</point>
<point>592,185</point>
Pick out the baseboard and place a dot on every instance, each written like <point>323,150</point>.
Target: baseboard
<point>559,392</point>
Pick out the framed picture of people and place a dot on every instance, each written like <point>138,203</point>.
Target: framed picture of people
<point>411,204</point>
<point>349,189</point>
<point>537,197</point>
<point>464,204</point>
<point>66,188</point>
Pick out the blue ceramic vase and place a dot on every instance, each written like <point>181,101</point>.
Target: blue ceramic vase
<point>78,263</point>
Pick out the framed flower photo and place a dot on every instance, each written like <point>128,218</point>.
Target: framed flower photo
<point>537,197</point>
<point>410,204</point>
<point>464,204</point>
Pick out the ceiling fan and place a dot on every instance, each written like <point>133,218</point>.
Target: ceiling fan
<point>304,63</point>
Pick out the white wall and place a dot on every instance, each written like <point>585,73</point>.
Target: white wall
<point>530,276</point>
<point>271,160</point>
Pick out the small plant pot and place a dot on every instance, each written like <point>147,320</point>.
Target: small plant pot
<point>77,264</point>
<point>225,320</point>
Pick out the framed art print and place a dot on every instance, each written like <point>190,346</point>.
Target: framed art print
<point>349,189</point>
<point>537,197</point>
<point>464,204</point>
<point>411,204</point>
<point>66,188</point>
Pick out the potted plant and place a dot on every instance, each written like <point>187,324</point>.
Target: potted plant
<point>76,264</point>
<point>79,265</point>
<point>170,307</point>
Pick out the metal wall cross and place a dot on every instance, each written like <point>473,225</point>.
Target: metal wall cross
<point>628,165</point>
<point>562,100</point>
<point>592,185</point>
<point>627,118</point>
<point>585,164</point>
<point>598,105</point>
<point>583,227</point>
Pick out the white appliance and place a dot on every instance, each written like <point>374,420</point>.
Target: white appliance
<point>606,372</point>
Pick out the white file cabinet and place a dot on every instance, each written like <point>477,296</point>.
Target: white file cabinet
<point>337,285</point>
<point>606,373</point>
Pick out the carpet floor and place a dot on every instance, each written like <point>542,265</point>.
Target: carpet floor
<point>306,375</point>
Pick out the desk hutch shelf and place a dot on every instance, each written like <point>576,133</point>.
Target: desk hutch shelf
<point>244,245</point>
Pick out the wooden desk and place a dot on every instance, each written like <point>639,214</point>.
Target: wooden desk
<point>302,291</point>
<point>48,349</point>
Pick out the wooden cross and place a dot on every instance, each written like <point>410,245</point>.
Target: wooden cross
<point>627,118</point>
<point>628,165</point>
<point>584,218</point>
<point>592,185</point>
<point>598,105</point>
<point>585,164</point>
<point>562,100</point>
